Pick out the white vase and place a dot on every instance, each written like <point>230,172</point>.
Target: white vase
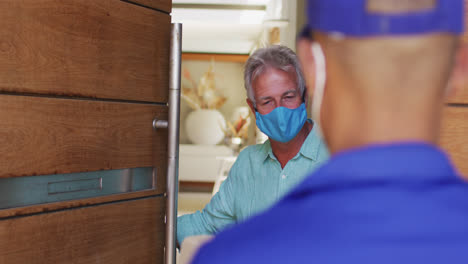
<point>205,126</point>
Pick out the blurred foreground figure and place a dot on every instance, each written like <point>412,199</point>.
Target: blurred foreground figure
<point>264,173</point>
<point>379,71</point>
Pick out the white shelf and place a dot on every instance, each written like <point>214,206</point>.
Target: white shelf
<point>201,163</point>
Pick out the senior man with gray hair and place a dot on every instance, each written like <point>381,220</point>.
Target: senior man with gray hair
<point>264,173</point>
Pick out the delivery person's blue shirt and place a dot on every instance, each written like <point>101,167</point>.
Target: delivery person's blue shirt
<point>255,182</point>
<point>401,203</point>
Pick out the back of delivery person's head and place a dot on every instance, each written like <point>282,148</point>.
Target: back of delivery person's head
<point>378,69</point>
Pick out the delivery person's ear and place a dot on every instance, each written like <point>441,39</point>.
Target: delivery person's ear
<point>458,83</point>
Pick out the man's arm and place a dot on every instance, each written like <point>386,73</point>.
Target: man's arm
<point>216,215</point>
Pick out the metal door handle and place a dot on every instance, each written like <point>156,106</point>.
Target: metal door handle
<point>172,181</point>
<point>160,124</point>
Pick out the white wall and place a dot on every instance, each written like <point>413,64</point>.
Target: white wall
<point>288,34</point>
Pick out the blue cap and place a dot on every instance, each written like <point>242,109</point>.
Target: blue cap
<point>361,18</point>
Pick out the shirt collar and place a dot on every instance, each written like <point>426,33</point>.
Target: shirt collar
<point>267,152</point>
<point>413,163</point>
<point>311,146</point>
<point>309,149</point>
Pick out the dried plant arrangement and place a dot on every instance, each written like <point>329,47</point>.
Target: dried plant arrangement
<point>239,129</point>
<point>202,95</point>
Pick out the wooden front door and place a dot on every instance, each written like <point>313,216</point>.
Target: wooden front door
<point>82,171</point>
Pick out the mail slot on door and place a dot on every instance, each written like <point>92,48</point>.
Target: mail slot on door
<point>30,190</point>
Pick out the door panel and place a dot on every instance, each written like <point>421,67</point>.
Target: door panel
<point>80,84</point>
<point>163,5</point>
<point>124,232</point>
<point>460,96</point>
<point>454,137</point>
<point>86,48</point>
<point>50,207</point>
<point>42,136</point>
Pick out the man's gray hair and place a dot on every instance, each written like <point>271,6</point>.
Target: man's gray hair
<point>276,56</point>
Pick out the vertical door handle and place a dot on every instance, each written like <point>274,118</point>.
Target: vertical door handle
<point>172,125</point>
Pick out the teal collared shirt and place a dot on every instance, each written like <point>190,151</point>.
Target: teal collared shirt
<point>255,182</point>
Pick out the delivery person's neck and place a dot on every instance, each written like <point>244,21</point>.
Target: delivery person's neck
<point>396,124</point>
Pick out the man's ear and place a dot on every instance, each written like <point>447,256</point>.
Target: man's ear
<point>251,105</point>
<point>307,62</point>
<point>306,96</point>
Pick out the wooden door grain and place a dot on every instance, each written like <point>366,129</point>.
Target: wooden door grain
<point>49,135</point>
<point>454,136</point>
<point>163,5</point>
<point>85,48</point>
<point>129,232</point>
<point>80,84</point>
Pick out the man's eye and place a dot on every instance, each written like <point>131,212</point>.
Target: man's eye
<point>266,102</point>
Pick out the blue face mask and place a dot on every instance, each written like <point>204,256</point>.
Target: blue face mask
<point>282,124</point>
